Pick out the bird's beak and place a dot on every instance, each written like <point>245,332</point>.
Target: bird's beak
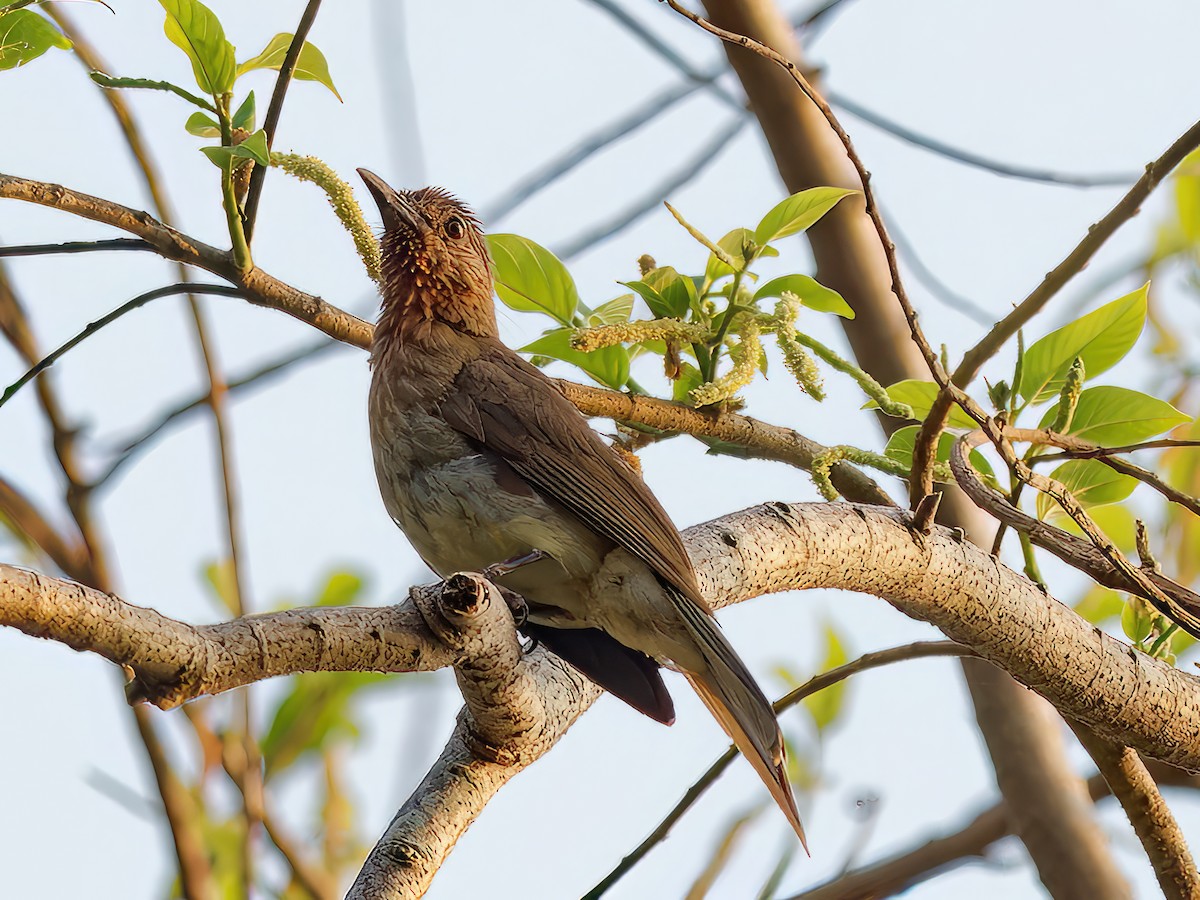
<point>395,207</point>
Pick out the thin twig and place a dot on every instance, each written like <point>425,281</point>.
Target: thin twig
<point>310,875</point>
<point>195,871</point>
<point>130,447</point>
<point>1101,452</point>
<point>170,290</point>
<point>75,247</point>
<point>1078,448</point>
<point>919,650</point>
<point>975,160</point>
<point>540,179</point>
<point>938,289</point>
<point>275,110</point>
<point>705,156</point>
<point>973,360</point>
<point>923,450</point>
<point>21,513</point>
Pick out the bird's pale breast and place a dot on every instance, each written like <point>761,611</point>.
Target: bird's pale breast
<point>462,511</point>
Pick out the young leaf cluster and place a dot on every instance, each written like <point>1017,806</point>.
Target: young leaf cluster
<point>707,327</point>
<point>195,29</point>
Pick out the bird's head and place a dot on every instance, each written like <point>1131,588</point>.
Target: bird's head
<point>436,266</point>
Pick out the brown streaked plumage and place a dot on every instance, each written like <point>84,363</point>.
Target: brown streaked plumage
<point>481,460</point>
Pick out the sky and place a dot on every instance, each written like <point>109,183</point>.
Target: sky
<point>474,96</point>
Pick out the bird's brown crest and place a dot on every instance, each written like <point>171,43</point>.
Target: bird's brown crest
<point>436,266</point>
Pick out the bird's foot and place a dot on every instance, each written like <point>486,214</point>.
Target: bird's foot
<point>500,569</point>
<point>516,605</point>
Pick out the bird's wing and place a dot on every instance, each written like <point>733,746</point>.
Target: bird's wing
<point>510,408</point>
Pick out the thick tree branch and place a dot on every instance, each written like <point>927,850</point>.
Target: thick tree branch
<point>938,577</point>
<point>1074,551</point>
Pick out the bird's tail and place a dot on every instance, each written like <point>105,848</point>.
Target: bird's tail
<point>739,705</point>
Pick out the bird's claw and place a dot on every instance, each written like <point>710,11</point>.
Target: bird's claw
<point>516,605</point>
<point>500,569</point>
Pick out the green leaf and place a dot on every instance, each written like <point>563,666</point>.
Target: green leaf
<point>654,300</point>
<point>824,706</point>
<point>193,28</point>
<point>678,292</point>
<point>341,589</point>
<point>310,66</point>
<point>668,294</point>
<point>920,396</point>
<point>24,36</point>
<point>220,577</point>
<point>244,117</point>
<point>735,244</point>
<point>530,278</point>
<point>798,212</point>
<point>1100,605</point>
<point>615,312</point>
<point>314,713</point>
<point>253,147</point>
<point>203,125</point>
<point>1092,483</point>
<point>1135,621</point>
<point>1115,416</point>
<point>811,292</point>
<point>1187,197</point>
<point>1116,520</point>
<point>608,365</point>
<point>1100,339</point>
<point>900,448</point>
<point>689,379</point>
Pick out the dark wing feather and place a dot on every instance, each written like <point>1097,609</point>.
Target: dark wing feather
<point>510,408</point>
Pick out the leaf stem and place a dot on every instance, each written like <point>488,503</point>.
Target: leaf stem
<point>109,81</point>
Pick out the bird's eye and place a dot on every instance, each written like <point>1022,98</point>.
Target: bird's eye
<point>455,228</point>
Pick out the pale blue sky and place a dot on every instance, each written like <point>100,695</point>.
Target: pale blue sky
<point>500,89</point>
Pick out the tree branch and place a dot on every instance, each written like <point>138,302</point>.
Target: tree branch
<point>904,870</point>
<point>919,650</point>
<point>1130,782</point>
<point>259,288</point>
<point>1075,261</point>
<point>275,110</point>
<point>939,578</point>
<point>1076,552</point>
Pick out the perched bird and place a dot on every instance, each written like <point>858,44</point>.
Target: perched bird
<point>483,462</point>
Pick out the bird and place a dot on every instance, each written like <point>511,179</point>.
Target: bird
<point>486,466</point>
